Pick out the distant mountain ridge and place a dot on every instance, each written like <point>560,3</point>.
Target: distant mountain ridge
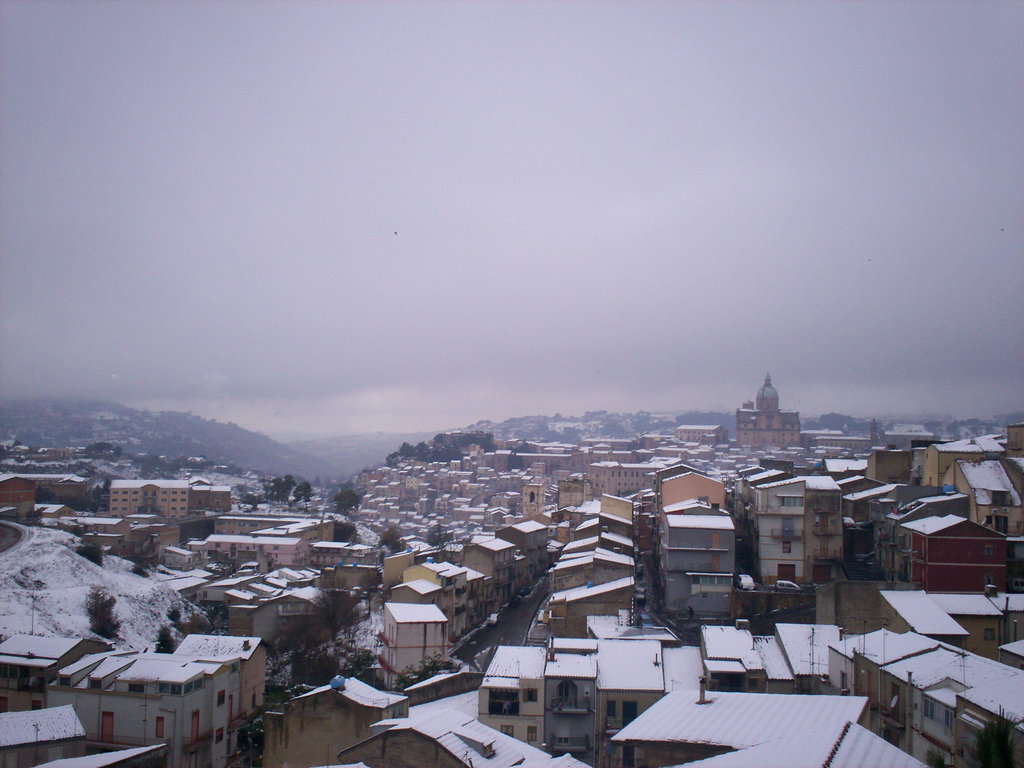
<point>73,423</point>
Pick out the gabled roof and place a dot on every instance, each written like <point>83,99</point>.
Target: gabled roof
<point>217,647</point>
<point>922,614</point>
<point>984,477</point>
<point>743,720</point>
<point>517,661</point>
<point>411,613</point>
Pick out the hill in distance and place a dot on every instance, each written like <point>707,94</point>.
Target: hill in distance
<point>77,423</point>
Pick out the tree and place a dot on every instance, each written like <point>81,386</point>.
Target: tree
<point>345,531</point>
<point>994,748</point>
<point>303,492</point>
<point>360,665</point>
<point>280,488</point>
<point>438,536</point>
<point>346,500</point>
<point>426,670</point>
<point>250,500</point>
<point>337,609</point>
<point>164,640</point>
<point>99,606</point>
<point>392,539</point>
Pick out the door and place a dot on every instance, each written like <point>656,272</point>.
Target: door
<point>787,571</point>
<point>195,727</point>
<point>107,727</point>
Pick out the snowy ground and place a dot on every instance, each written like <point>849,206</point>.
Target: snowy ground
<point>44,584</point>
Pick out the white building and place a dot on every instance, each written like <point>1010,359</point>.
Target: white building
<point>130,699</point>
<point>412,634</point>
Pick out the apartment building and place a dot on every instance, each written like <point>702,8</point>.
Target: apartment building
<point>799,529</point>
<point>131,699</point>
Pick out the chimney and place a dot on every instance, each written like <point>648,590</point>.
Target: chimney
<point>701,698</point>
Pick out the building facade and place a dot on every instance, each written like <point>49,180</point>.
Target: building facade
<point>761,423</point>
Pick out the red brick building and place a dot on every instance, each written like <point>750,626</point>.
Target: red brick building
<point>18,492</point>
<point>953,554</point>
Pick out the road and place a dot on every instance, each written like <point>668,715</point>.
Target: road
<point>513,624</point>
<point>9,536</point>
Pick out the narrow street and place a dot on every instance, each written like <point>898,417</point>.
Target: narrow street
<point>513,624</point>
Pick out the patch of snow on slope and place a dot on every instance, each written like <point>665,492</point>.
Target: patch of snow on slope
<point>44,571</point>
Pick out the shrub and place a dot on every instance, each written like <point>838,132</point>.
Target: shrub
<point>91,552</point>
<point>99,606</point>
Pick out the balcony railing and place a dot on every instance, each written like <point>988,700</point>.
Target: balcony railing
<point>570,705</point>
<point>571,743</point>
<point>784,533</point>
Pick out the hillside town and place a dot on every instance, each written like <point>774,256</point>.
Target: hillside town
<point>778,596</point>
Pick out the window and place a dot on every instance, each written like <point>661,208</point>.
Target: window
<point>220,735</point>
<point>3,703</point>
<point>628,757</point>
<point>65,681</point>
<point>509,730</point>
<point>529,694</point>
<point>531,733</point>
<point>609,708</point>
<point>136,688</point>
<point>36,704</point>
<point>990,633</point>
<point>989,550</point>
<point>159,727</point>
<point>787,547</point>
<point>95,683</point>
<point>220,698</point>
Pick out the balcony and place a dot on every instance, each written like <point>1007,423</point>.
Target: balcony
<point>571,743</point>
<point>569,705</point>
<point>783,533</point>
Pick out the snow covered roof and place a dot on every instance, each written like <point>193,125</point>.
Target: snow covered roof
<point>948,663</point>
<point>630,665</point>
<point>871,493</point>
<point>529,526</point>
<point>358,692</point>
<point>410,613</point>
<point>421,586</point>
<point>581,593</point>
<point>51,648</point>
<point>743,720</point>
<point>855,747</point>
<point>984,477</point>
<point>923,615</point>
<point>774,659</point>
<point>810,483</point>
<point>103,759</point>
<point>933,524</point>
<point>39,726</point>
<point>118,484</point>
<point>683,667</point>
<point>806,646</point>
<point>572,665</point>
<point>474,744</point>
<point>517,661</point>
<point>883,645</point>
<point>731,643</point>
<point>217,647</point>
<point>715,522</point>
<point>964,605</point>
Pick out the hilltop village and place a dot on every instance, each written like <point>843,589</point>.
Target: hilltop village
<point>779,596</point>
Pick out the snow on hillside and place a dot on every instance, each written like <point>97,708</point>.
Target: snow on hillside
<point>43,570</point>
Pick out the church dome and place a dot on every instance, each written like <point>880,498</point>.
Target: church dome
<point>767,391</point>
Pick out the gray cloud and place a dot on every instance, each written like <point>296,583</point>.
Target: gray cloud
<point>597,206</point>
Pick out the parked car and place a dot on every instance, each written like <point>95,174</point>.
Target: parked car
<point>745,582</point>
<point>786,586</point>
<point>492,619</point>
<point>524,591</point>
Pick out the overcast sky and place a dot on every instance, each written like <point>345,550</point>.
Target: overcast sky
<point>325,218</point>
